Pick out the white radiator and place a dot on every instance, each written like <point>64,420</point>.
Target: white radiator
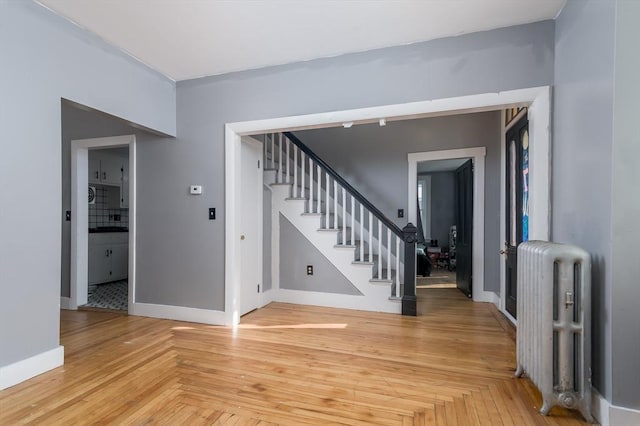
<point>554,323</point>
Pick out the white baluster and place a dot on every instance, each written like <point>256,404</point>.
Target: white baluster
<point>288,153</point>
<point>326,199</point>
<point>295,171</point>
<point>361,232</point>
<point>388,253</point>
<point>353,220</point>
<point>310,185</point>
<point>379,249</point>
<point>397,266</point>
<point>344,216</point>
<point>280,167</point>
<point>318,201</point>
<point>335,204</point>
<point>273,149</point>
<point>303,161</point>
<point>266,150</point>
<point>370,236</point>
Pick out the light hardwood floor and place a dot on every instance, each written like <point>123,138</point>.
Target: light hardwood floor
<point>287,364</point>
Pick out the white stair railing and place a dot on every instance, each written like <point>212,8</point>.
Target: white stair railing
<point>343,209</point>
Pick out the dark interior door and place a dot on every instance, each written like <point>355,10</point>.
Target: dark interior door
<point>517,204</point>
<point>464,227</point>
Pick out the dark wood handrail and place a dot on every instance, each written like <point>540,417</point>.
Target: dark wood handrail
<point>361,199</point>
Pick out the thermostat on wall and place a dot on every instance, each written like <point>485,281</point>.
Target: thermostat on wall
<point>195,189</point>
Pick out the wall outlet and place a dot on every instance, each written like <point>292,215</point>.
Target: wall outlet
<point>309,269</point>
<point>400,212</point>
<point>116,217</point>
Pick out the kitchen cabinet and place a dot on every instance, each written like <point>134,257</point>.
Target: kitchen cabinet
<point>108,257</point>
<point>106,168</point>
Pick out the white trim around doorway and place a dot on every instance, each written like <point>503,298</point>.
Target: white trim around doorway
<point>539,115</point>
<point>80,215</point>
<point>457,105</point>
<point>478,155</point>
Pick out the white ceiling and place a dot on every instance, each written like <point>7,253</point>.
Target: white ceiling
<point>185,39</point>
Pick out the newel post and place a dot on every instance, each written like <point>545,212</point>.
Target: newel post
<point>409,235</point>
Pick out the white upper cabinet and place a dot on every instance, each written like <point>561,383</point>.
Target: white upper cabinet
<point>106,168</point>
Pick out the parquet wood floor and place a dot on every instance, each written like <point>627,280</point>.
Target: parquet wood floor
<point>287,364</point>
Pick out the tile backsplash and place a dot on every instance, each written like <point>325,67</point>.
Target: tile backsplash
<point>100,214</point>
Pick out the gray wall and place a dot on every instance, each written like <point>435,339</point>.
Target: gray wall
<point>374,160</point>
<point>625,268</point>
<point>191,272</point>
<point>45,58</point>
<point>296,252</point>
<point>582,137</point>
<point>443,205</point>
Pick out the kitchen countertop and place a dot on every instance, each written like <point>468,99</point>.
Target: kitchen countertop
<point>104,229</point>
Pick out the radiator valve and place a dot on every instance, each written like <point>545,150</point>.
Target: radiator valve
<point>567,399</point>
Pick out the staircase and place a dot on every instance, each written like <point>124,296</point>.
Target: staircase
<point>364,245</point>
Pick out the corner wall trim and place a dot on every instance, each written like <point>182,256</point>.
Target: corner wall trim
<point>65,302</point>
<point>488,296</point>
<point>25,369</point>
<point>178,313</point>
<point>599,407</point>
<point>608,414</point>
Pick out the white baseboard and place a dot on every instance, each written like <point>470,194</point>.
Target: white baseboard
<point>487,296</point>
<point>622,416</point>
<point>179,313</point>
<point>266,297</point>
<point>608,414</point>
<point>334,300</point>
<point>20,371</point>
<point>65,303</point>
<point>599,407</point>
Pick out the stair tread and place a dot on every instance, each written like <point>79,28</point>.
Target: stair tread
<point>380,281</point>
<point>361,262</point>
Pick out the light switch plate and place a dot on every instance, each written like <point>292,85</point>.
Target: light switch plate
<point>195,189</point>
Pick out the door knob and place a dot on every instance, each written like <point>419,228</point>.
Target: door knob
<point>242,237</point>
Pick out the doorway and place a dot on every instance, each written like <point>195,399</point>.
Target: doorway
<point>437,224</point>
<point>107,167</point>
<point>517,204</point>
<point>540,113</point>
<point>453,160</point>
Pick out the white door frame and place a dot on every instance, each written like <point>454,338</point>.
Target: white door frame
<point>80,214</point>
<point>540,135</point>
<point>477,245</point>
<point>426,207</point>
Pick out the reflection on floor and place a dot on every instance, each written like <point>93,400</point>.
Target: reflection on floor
<point>439,278</point>
<point>109,296</point>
